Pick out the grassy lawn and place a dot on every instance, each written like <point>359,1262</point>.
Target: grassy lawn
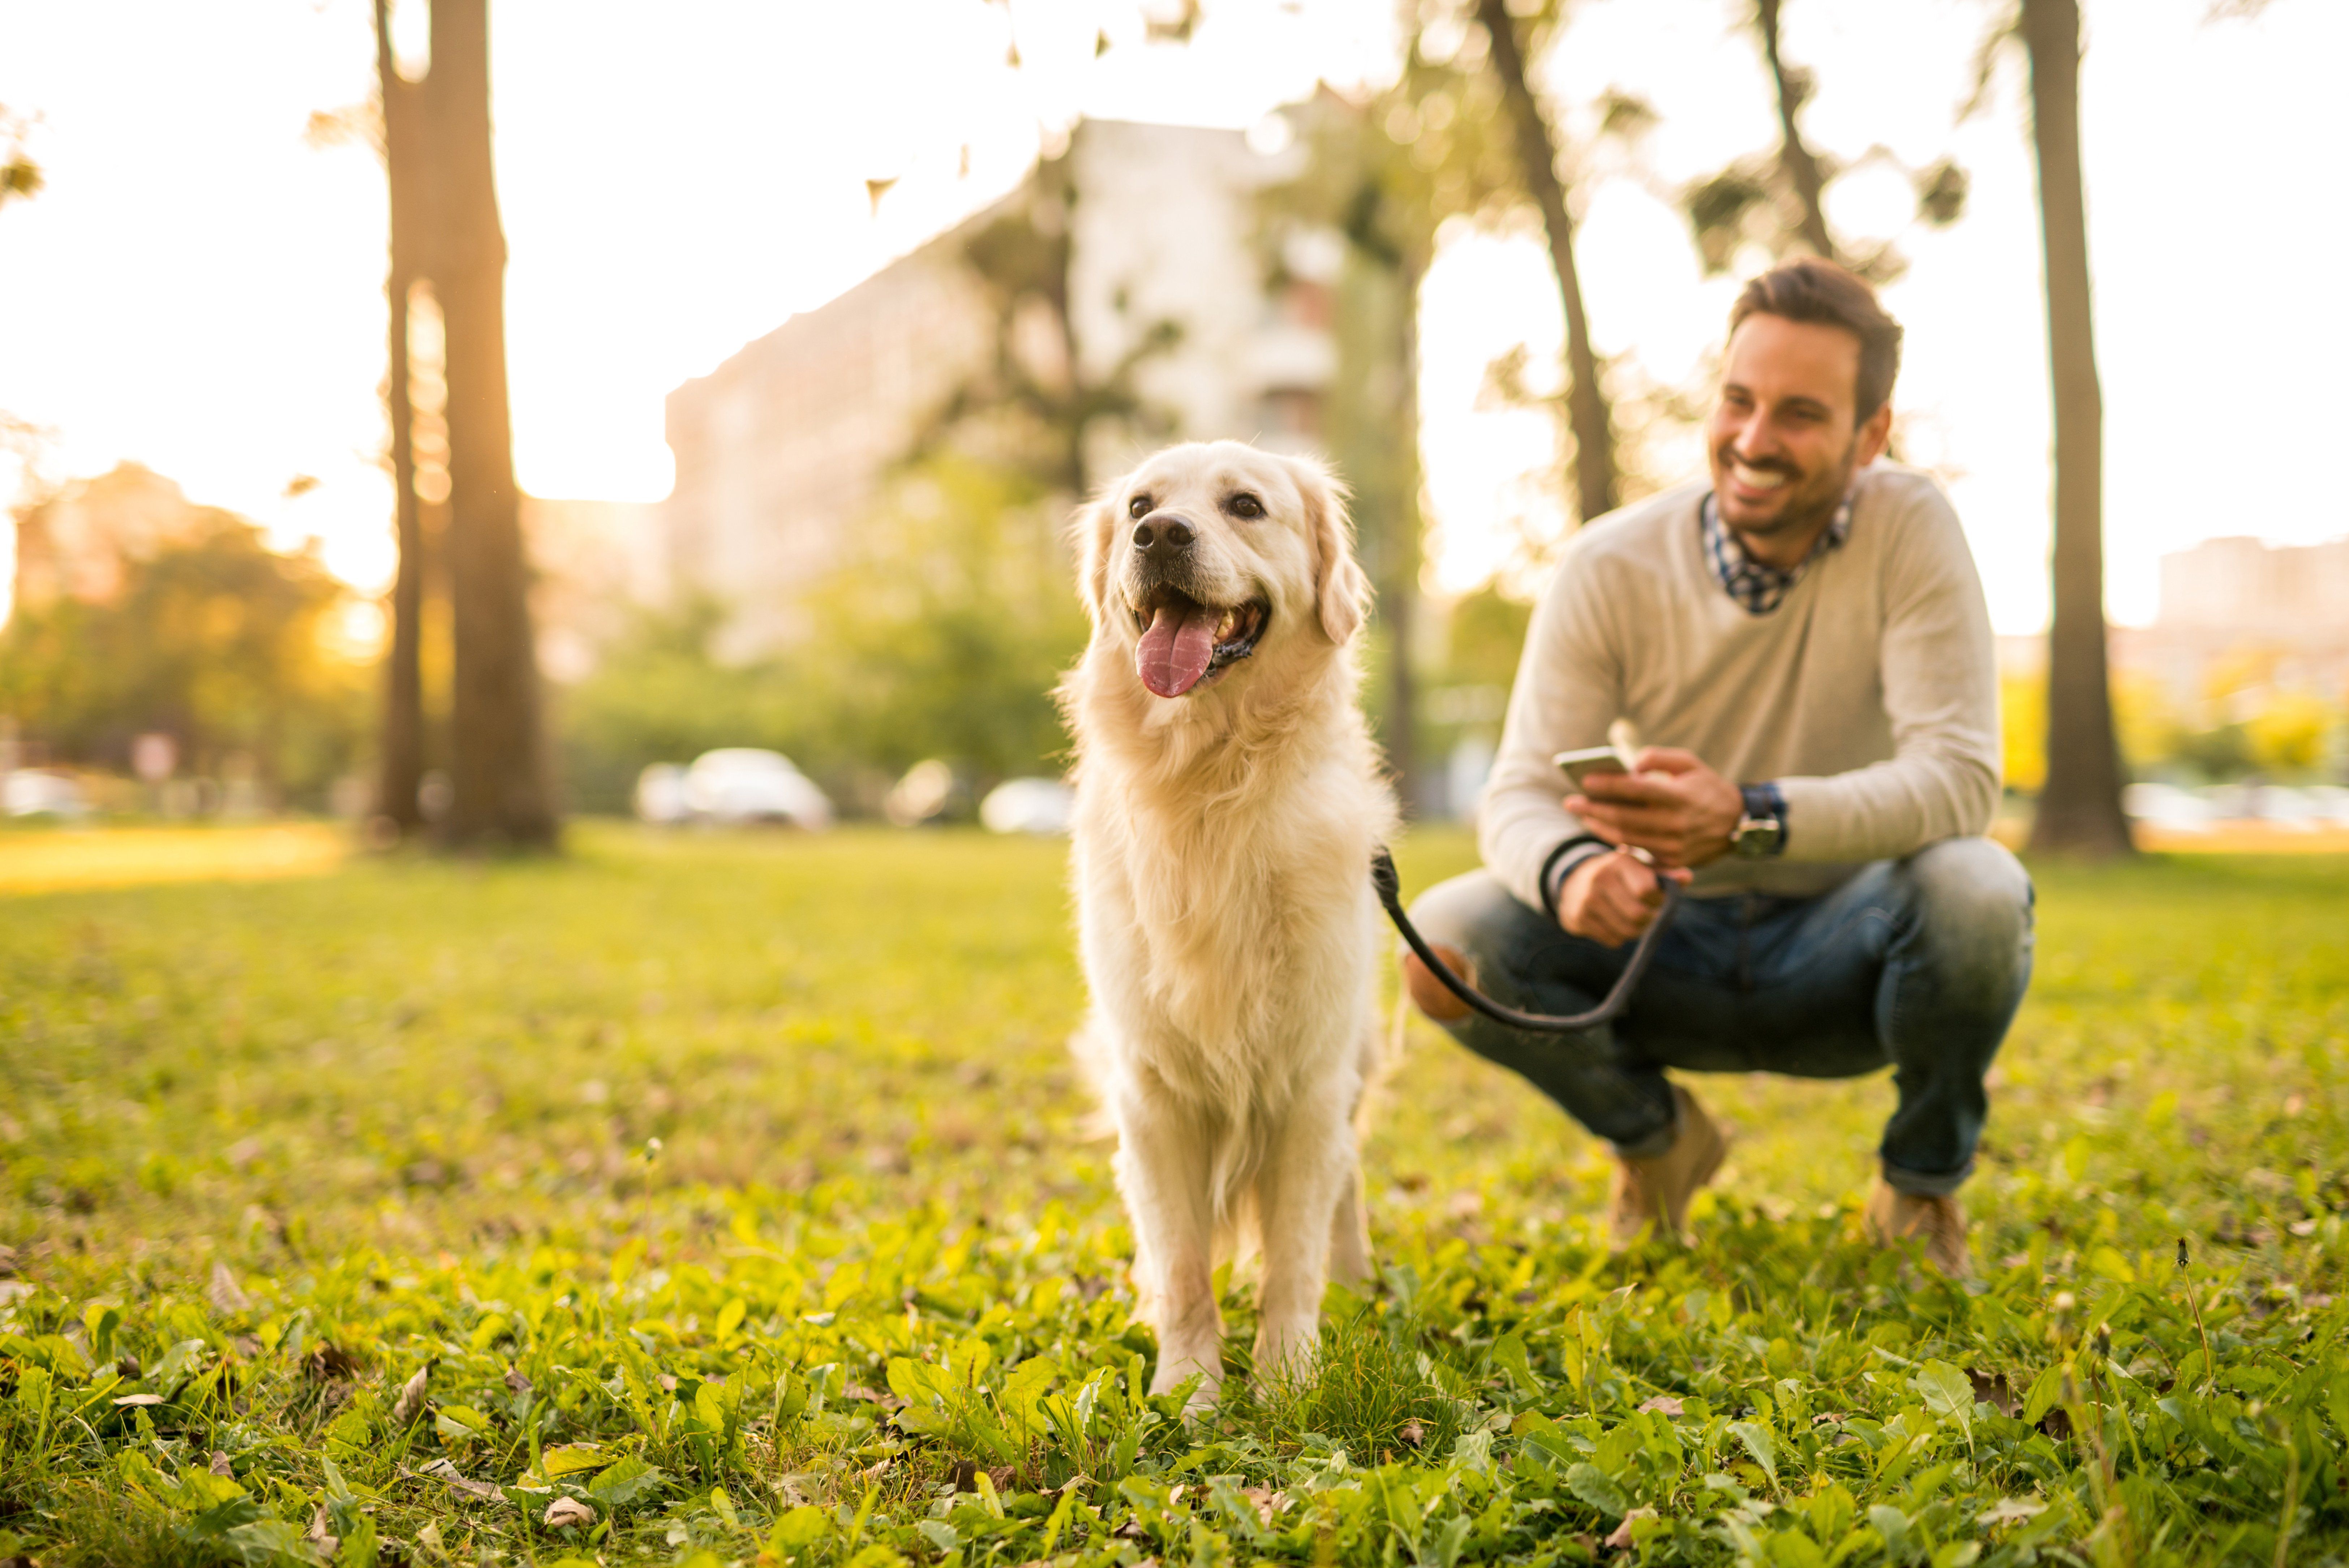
<point>731,1198</point>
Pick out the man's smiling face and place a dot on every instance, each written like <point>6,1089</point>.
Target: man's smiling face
<point>1784,438</point>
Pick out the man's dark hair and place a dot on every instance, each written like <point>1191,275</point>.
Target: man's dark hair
<point>1813,290</point>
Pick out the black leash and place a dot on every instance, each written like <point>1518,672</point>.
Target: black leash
<point>1389,889</point>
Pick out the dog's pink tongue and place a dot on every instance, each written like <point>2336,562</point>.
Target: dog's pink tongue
<point>1175,651</point>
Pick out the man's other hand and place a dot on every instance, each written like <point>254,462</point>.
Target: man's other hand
<point>1610,899</point>
<point>1671,805</point>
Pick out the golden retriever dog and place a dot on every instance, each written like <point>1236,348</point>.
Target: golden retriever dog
<point>1228,799</point>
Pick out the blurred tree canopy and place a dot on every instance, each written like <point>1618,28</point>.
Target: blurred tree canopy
<point>19,176</point>
<point>1030,405</point>
<point>215,640</point>
<point>1776,200</point>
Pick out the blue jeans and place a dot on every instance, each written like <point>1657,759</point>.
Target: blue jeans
<point>1917,964</point>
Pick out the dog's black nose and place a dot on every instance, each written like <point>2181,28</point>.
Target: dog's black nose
<point>1161,536</point>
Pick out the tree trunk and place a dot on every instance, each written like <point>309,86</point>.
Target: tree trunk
<point>501,795</point>
<point>1597,490</point>
<point>1801,168</point>
<point>2080,806</point>
<point>401,763</point>
<point>1399,549</point>
<point>1370,427</point>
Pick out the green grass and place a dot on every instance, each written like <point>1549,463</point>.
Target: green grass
<point>739,1190</point>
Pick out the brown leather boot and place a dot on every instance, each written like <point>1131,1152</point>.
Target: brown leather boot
<point>1652,1194</point>
<point>1938,1222</point>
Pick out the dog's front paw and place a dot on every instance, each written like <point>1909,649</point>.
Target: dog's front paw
<point>1178,1367</point>
<point>1285,1349</point>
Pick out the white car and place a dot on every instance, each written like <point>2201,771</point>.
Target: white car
<point>2168,806</point>
<point>743,784</point>
<point>1028,806</point>
<point>37,793</point>
<point>660,796</point>
<point>2331,803</point>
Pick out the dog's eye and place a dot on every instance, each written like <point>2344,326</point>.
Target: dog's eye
<point>1245,505</point>
<point>1138,507</point>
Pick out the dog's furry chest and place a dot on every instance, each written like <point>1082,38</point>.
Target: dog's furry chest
<point>1234,973</point>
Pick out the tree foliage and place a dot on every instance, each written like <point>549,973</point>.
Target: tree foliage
<point>1776,200</point>
<point>20,176</point>
<point>215,640</point>
<point>941,636</point>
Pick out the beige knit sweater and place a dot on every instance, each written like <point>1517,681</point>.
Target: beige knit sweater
<point>1869,694</point>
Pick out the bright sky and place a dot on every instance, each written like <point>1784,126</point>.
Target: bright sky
<point>199,290</point>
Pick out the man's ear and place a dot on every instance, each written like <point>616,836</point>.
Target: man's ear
<point>1089,530</point>
<point>1875,435</point>
<point>1342,592</point>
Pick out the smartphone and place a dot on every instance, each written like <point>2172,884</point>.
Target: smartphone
<point>1580,766</point>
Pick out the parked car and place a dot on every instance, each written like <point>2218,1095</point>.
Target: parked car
<point>2331,803</point>
<point>37,792</point>
<point>2168,806</point>
<point>660,797</point>
<point>740,784</point>
<point>1028,806</point>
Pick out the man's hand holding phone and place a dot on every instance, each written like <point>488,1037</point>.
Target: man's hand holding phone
<point>1669,804</point>
<point>1661,802</point>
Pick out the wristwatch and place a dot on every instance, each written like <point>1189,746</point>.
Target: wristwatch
<point>1762,832</point>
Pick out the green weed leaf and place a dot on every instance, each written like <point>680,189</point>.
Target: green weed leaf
<point>1598,1489</point>
<point>1948,1393</point>
<point>1758,1442</point>
<point>631,1480</point>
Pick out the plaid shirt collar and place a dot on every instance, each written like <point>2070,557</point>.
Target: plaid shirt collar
<point>1758,588</point>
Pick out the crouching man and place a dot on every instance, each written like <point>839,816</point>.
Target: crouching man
<point>1802,644</point>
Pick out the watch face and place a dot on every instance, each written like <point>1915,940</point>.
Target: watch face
<point>1756,837</point>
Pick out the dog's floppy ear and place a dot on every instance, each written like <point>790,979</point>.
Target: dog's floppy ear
<point>1342,592</point>
<point>1088,536</point>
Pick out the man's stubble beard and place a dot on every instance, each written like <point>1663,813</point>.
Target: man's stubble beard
<point>1812,507</point>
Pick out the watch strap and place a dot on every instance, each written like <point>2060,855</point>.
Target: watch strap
<point>1764,802</point>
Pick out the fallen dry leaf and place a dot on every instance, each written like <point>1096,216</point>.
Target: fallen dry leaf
<point>329,1360</point>
<point>1412,1433</point>
<point>516,1381</point>
<point>568,1513</point>
<point>440,1470</point>
<point>226,1295</point>
<point>324,1541</point>
<point>1619,1538</point>
<point>1991,1389</point>
<point>1663,1404</point>
<point>220,1465</point>
<point>410,1403</point>
<point>141,1399</point>
<point>965,1474</point>
<point>1267,1501</point>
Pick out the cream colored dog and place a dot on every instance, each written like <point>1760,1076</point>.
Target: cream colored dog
<point>1228,799</point>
